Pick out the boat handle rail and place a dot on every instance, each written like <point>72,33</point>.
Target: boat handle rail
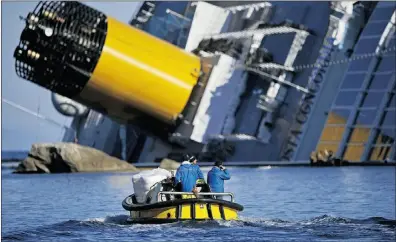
<point>200,193</point>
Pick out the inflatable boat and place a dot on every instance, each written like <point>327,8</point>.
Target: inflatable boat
<point>163,203</point>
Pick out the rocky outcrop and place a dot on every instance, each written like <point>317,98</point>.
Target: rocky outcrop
<point>326,158</point>
<point>69,157</point>
<point>169,164</point>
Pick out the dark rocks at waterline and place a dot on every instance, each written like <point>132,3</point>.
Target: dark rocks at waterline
<point>69,158</point>
<point>331,162</point>
<point>326,158</point>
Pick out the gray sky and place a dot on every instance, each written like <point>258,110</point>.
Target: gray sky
<point>19,129</point>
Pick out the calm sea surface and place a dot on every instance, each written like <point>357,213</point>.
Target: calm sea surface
<point>293,204</point>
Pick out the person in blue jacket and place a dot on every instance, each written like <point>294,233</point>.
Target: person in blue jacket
<point>216,177</point>
<point>188,173</point>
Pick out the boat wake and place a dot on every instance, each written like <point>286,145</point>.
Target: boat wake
<point>115,227</point>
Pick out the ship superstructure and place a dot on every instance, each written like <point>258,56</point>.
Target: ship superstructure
<point>268,85</point>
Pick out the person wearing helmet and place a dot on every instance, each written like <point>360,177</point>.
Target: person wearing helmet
<point>216,177</point>
<point>188,173</point>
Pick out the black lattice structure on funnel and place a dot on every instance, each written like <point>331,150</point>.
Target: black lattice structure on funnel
<point>60,46</point>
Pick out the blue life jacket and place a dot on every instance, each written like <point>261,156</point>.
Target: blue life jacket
<point>188,174</point>
<point>216,178</point>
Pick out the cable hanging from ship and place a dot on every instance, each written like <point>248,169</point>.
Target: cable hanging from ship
<point>272,66</point>
<point>228,44</point>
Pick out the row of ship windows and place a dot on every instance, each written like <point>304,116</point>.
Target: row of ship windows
<point>335,129</point>
<point>380,85</point>
<point>368,44</point>
<point>353,152</point>
<point>387,64</point>
<point>379,80</point>
<point>378,19</point>
<point>339,117</point>
<point>375,28</point>
<point>359,135</point>
<point>371,99</point>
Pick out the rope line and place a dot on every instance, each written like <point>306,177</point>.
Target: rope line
<point>271,66</point>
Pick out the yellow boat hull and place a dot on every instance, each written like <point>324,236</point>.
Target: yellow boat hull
<point>183,209</point>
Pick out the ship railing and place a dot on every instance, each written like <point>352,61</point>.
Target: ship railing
<point>264,32</point>
<point>255,6</point>
<point>238,8</point>
<point>230,194</point>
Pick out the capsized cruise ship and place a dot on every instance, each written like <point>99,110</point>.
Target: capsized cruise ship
<point>272,89</point>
